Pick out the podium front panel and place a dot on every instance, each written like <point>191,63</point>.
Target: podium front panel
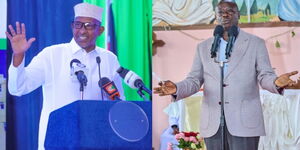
<point>85,125</point>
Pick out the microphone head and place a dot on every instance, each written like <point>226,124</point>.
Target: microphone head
<point>75,67</point>
<point>103,81</point>
<point>81,77</point>
<point>122,72</point>
<point>131,78</point>
<point>109,88</point>
<point>98,59</point>
<point>138,83</point>
<point>233,31</point>
<point>219,30</point>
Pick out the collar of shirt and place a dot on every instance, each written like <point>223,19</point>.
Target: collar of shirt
<point>76,48</point>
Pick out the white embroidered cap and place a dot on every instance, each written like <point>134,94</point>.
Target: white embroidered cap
<point>88,10</point>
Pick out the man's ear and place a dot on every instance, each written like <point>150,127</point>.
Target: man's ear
<point>101,29</point>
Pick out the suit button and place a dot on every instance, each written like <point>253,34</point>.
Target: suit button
<point>225,102</point>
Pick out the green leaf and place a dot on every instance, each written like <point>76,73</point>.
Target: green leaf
<point>277,44</point>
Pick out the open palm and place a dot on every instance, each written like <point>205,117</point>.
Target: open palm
<point>284,80</point>
<point>166,88</point>
<point>18,39</point>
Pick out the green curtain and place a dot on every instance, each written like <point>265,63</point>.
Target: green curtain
<point>133,27</point>
<point>2,44</point>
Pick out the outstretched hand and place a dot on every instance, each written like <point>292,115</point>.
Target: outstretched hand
<point>18,39</point>
<point>166,88</point>
<point>284,81</point>
<point>295,86</point>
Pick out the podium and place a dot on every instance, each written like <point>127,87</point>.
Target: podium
<point>100,125</point>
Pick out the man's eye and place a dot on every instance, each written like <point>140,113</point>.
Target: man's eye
<point>77,24</point>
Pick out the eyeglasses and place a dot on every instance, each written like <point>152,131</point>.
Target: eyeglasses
<point>87,25</point>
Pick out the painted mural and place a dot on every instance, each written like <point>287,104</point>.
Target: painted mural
<point>194,12</point>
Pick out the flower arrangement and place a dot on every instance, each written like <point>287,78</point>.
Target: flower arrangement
<point>188,141</point>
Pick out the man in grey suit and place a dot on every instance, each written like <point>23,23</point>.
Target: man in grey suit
<point>248,68</point>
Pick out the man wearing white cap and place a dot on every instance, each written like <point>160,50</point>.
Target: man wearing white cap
<point>51,67</point>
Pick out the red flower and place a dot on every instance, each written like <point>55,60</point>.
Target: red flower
<point>194,133</point>
<point>189,140</point>
<point>188,134</point>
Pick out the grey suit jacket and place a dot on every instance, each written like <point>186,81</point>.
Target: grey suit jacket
<point>249,66</point>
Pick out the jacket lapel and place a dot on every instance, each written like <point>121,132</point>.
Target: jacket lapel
<point>239,50</point>
<point>214,69</point>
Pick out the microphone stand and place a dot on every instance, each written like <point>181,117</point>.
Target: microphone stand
<point>142,95</point>
<point>232,35</point>
<point>81,90</point>
<point>141,87</point>
<point>222,118</point>
<point>98,60</point>
<point>83,82</point>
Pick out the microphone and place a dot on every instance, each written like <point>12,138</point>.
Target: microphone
<point>132,79</point>
<point>78,68</point>
<point>218,33</point>
<point>232,33</point>
<point>74,61</point>
<point>98,60</point>
<point>81,77</point>
<point>109,88</point>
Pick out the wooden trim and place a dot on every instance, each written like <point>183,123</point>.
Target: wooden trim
<point>243,25</point>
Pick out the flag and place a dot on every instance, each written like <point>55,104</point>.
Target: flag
<point>111,43</point>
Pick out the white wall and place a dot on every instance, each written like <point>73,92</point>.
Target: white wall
<point>3,11</point>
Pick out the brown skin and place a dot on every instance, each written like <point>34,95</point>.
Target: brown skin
<point>20,44</point>
<point>227,14</point>
<point>295,86</point>
<point>175,130</point>
<point>284,81</point>
<point>90,36</point>
<point>166,88</point>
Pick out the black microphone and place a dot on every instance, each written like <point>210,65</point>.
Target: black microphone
<point>218,33</point>
<point>98,60</point>
<point>232,33</point>
<point>109,88</point>
<point>77,69</point>
<point>122,72</point>
<point>81,77</point>
<point>132,79</point>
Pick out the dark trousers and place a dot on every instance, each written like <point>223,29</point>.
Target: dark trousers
<point>231,142</point>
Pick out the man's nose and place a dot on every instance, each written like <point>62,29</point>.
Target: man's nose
<point>83,30</point>
<point>225,14</point>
